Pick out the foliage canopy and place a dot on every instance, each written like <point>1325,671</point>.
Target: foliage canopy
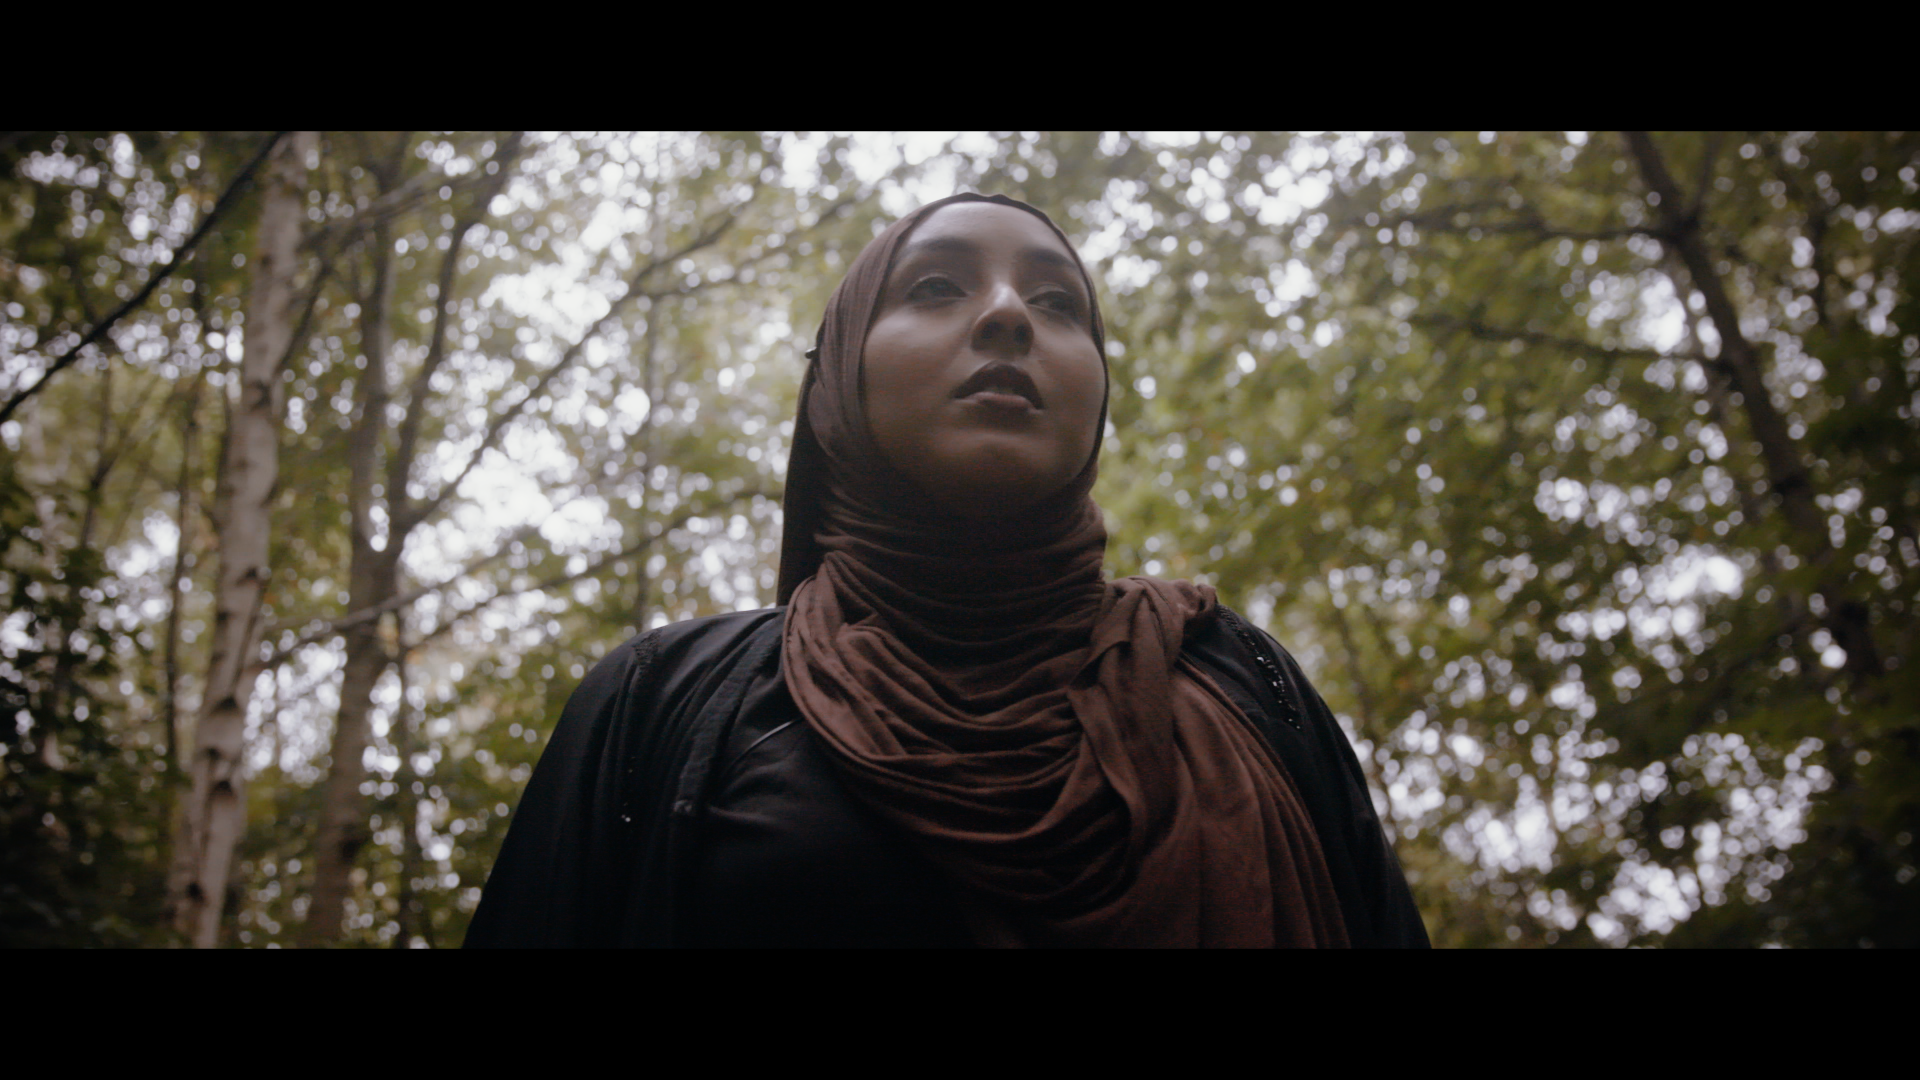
<point>1578,468</point>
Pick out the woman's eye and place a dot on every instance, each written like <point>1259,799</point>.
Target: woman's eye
<point>933,288</point>
<point>1063,302</point>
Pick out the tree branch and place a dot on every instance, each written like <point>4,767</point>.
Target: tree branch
<point>1787,471</point>
<point>542,585</point>
<point>320,276</point>
<point>1704,182</point>
<point>400,466</point>
<point>589,570</point>
<point>401,200</point>
<point>425,508</point>
<point>1816,212</point>
<point>1474,328</point>
<point>368,614</point>
<point>1441,220</point>
<point>166,270</point>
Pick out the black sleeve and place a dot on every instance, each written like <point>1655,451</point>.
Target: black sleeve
<point>1390,918</point>
<point>556,882</point>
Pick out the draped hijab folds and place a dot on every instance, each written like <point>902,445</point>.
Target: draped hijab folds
<point>1032,727</point>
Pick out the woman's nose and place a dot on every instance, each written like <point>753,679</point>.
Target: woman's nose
<point>1005,324</point>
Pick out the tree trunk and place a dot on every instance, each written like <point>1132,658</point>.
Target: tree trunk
<point>407,726</point>
<point>183,522</point>
<point>1739,363</point>
<point>372,580</point>
<point>343,825</point>
<point>215,813</point>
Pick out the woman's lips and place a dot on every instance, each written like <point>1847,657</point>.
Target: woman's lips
<point>999,399</point>
<point>1001,386</point>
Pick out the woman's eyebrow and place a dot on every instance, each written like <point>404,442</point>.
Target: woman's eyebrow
<point>960,245</point>
<point>1050,257</point>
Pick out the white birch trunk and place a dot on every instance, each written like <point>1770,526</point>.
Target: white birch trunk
<point>215,814</point>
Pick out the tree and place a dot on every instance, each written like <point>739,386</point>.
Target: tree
<point>89,749</point>
<point>215,814</point>
<point>1470,421</point>
<point>1598,747</point>
<point>1723,734</point>
<point>448,366</point>
<point>1479,420</point>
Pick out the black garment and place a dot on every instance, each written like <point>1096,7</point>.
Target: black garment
<point>788,857</point>
<point>681,773</point>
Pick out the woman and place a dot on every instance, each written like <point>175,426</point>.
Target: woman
<point>954,731</point>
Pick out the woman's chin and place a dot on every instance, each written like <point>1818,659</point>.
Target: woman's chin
<point>990,480</point>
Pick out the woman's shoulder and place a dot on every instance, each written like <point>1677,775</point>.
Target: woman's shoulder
<point>1231,644</point>
<point>690,645</point>
<point>658,681</point>
<point>1231,635</point>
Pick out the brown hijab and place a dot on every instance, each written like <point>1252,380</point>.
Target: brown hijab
<point>1034,729</point>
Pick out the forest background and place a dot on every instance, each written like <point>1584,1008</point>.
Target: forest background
<point>1578,469</point>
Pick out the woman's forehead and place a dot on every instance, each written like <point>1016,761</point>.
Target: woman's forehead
<point>957,226</point>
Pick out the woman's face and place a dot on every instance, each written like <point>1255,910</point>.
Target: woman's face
<point>982,381</point>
